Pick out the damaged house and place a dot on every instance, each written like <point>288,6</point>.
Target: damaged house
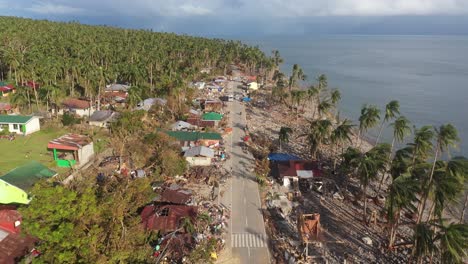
<point>167,218</point>
<point>289,172</point>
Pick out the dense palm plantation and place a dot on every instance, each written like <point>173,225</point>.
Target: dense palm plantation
<point>78,60</point>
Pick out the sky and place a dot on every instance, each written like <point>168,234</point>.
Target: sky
<point>256,17</point>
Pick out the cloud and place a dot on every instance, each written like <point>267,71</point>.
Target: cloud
<point>189,9</point>
<point>48,8</point>
<point>250,8</point>
<point>242,15</point>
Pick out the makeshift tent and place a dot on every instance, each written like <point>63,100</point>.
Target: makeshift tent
<point>24,177</point>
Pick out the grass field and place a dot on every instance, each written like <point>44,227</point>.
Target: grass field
<point>25,148</point>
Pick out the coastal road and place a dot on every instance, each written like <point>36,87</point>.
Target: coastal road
<point>247,240</point>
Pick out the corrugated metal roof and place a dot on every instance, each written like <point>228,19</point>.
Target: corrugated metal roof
<point>199,151</point>
<point>193,136</point>
<point>69,142</point>
<point>76,103</point>
<point>212,116</point>
<point>17,119</point>
<point>282,157</point>
<point>166,217</point>
<point>99,116</point>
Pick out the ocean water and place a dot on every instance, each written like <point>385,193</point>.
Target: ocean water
<point>428,75</point>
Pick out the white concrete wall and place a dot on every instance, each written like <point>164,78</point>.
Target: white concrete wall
<point>33,125</point>
<point>98,123</point>
<point>199,161</point>
<point>85,154</point>
<point>78,112</point>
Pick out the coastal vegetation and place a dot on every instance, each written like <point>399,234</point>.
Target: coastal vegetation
<point>94,222</point>
<point>420,178</point>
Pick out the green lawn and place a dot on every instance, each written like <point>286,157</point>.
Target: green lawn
<point>24,148</point>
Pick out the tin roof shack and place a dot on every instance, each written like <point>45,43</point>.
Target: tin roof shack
<point>174,194</point>
<point>181,125</point>
<point>10,219</point>
<point>76,106</point>
<point>13,247</point>
<point>191,139</point>
<point>116,88</point>
<point>289,172</point>
<point>199,156</point>
<point>197,121</point>
<point>76,150</point>
<point>102,118</point>
<point>212,105</point>
<point>213,116</point>
<point>166,218</point>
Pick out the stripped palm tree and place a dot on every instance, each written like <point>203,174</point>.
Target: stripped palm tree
<point>392,109</point>
<point>401,129</point>
<point>370,116</point>
<point>318,133</point>
<point>324,107</point>
<point>447,136</point>
<point>401,195</point>
<point>340,135</point>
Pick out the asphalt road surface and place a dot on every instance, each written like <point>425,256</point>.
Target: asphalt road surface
<point>247,238</point>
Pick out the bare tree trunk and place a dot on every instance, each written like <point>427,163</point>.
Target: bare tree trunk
<point>429,184</point>
<point>380,132</point>
<point>389,160</point>
<point>465,204</point>
<point>365,204</point>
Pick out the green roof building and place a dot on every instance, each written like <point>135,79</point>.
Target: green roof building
<point>24,177</point>
<point>193,136</point>
<point>20,124</point>
<point>212,116</point>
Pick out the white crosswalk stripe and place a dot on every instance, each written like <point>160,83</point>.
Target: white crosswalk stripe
<point>248,240</point>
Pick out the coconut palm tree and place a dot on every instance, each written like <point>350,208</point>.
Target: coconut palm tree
<point>423,241</point>
<point>446,137</point>
<point>367,166</point>
<point>318,134</point>
<point>392,109</point>
<point>401,195</point>
<point>422,143</point>
<point>401,128</point>
<point>297,74</point>
<point>370,116</point>
<point>335,96</point>
<point>284,135</point>
<point>340,135</point>
<point>324,107</point>
<point>448,184</point>
<point>453,239</point>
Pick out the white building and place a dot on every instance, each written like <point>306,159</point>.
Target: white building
<point>199,156</point>
<point>19,124</point>
<point>78,107</point>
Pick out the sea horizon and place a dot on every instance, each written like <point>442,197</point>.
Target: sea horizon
<point>425,73</point>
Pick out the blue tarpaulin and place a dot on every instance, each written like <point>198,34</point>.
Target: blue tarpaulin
<point>282,157</point>
<point>247,99</point>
